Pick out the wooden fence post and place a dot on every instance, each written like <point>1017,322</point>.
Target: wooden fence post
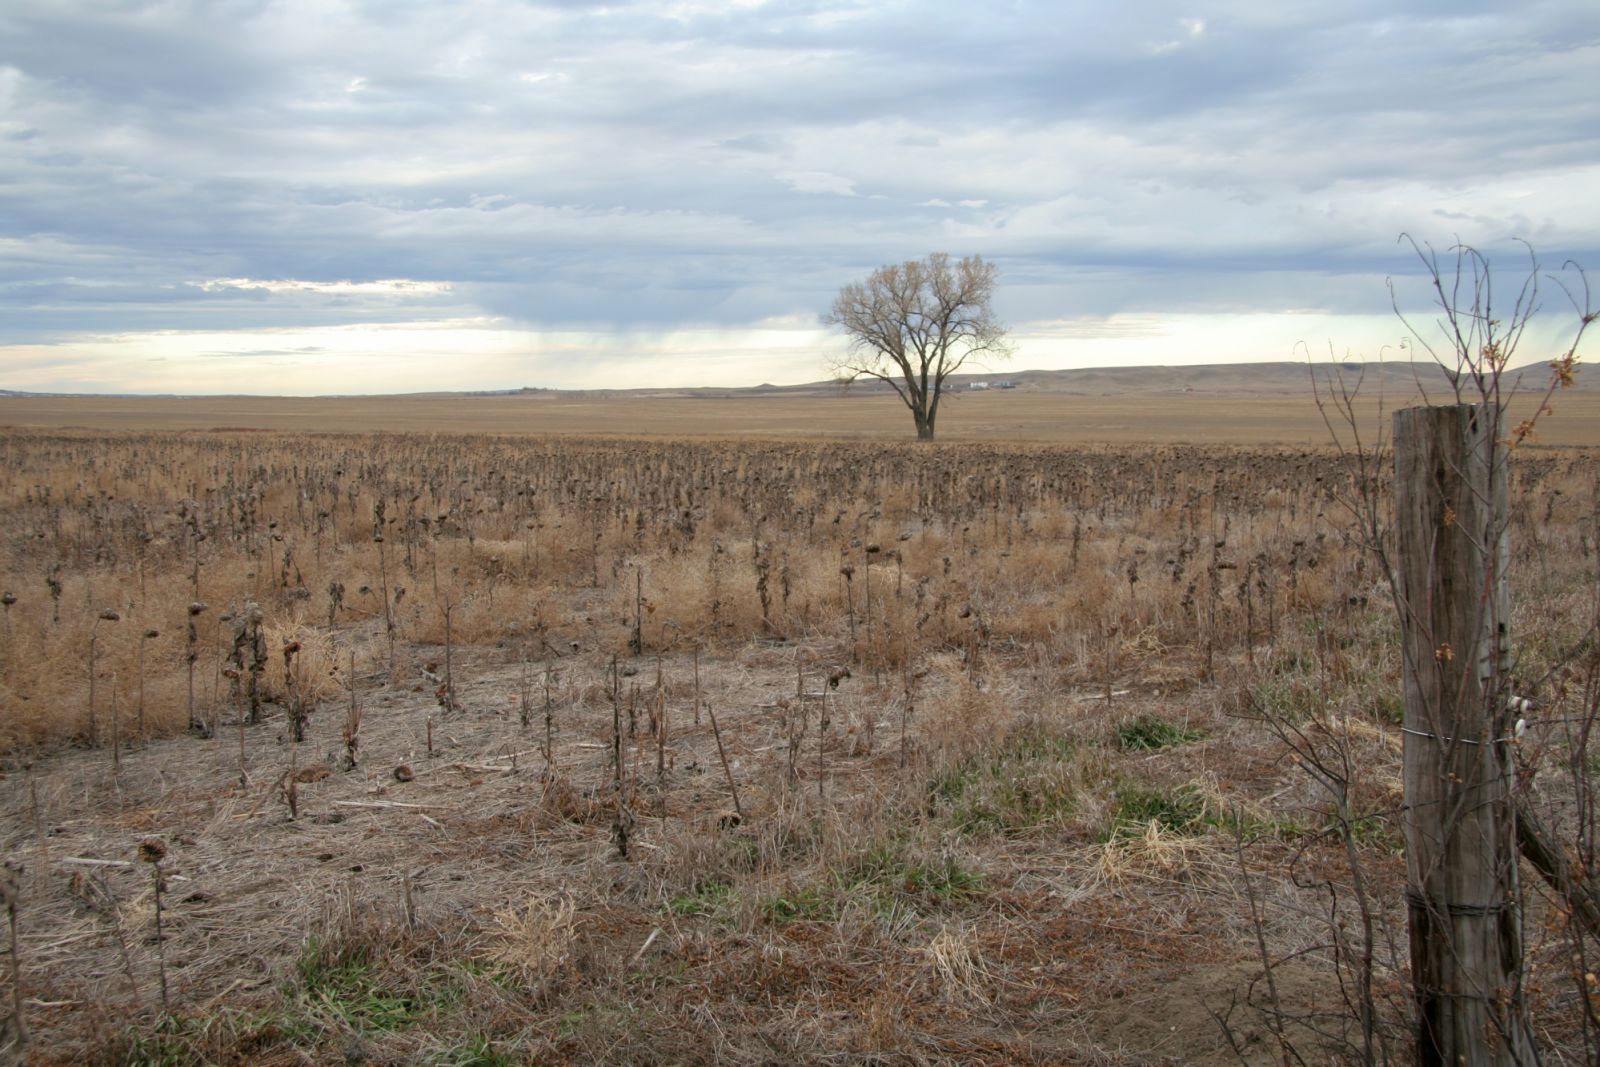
<point>1460,822</point>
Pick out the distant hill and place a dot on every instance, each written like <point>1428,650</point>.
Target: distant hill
<point>1215,379</point>
<point>1244,379</point>
<point>1231,379</point>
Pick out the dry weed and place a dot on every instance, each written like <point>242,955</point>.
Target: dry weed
<point>314,667</point>
<point>962,975</point>
<point>535,939</point>
<point>1157,852</point>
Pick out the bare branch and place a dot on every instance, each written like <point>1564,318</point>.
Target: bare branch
<point>914,324</point>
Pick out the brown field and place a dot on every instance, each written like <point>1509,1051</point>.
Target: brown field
<point>1018,730</point>
<point>1243,418</point>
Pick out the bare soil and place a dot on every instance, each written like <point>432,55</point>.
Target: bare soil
<point>1055,957</point>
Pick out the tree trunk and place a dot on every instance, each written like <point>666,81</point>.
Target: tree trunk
<point>1460,823</point>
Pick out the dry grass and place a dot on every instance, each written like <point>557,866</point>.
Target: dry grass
<point>534,939</point>
<point>1002,815</point>
<point>1060,418</point>
<point>1156,852</point>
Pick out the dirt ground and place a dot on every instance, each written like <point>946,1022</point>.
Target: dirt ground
<point>1061,957</point>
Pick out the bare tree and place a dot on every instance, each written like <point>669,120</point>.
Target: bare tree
<point>916,323</point>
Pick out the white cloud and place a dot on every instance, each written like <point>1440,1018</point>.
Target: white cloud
<point>379,287</point>
<point>397,357</point>
<point>1193,29</point>
<point>713,169</point>
<point>818,181</point>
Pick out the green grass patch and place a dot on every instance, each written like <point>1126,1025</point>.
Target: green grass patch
<point>705,900</point>
<point>334,994</point>
<point>1179,810</point>
<point>951,784</point>
<point>1148,732</point>
<point>810,902</point>
<point>1018,785</point>
<point>1377,831</point>
<point>884,880</point>
<point>1184,810</point>
<point>884,873</point>
<point>342,985</point>
<point>338,988</point>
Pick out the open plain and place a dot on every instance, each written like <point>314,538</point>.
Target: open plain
<point>1250,404</point>
<point>734,729</point>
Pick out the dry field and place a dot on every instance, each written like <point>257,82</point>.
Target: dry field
<point>674,750</point>
<point>1246,417</point>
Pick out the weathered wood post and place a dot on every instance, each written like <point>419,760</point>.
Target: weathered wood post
<point>1460,822</point>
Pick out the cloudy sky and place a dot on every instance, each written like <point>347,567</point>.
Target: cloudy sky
<point>313,196</point>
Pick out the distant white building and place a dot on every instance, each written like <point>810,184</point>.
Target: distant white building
<point>977,385</point>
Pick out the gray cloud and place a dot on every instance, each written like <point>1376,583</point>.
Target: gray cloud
<point>257,353</point>
<point>653,166</point>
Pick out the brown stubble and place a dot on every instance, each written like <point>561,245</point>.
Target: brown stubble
<point>1014,845</point>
